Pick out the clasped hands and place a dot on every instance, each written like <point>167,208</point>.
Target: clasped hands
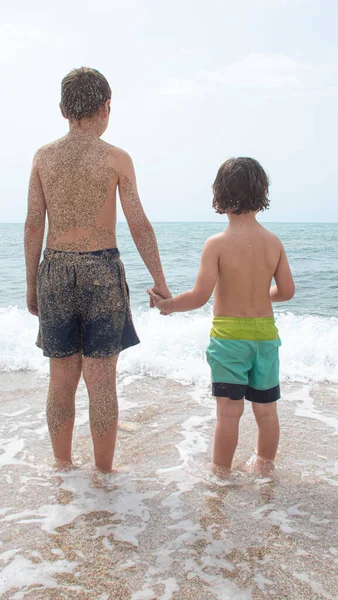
<point>159,296</point>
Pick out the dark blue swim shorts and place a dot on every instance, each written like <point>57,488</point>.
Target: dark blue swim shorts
<point>83,301</point>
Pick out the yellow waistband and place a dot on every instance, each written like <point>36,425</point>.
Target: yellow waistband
<point>234,328</point>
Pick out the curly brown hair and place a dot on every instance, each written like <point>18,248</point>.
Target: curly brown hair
<point>241,186</point>
<point>83,92</point>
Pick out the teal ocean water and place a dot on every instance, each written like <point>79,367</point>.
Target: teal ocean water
<point>308,323</point>
<point>312,251</point>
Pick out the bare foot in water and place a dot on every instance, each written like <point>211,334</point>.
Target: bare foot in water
<point>105,471</point>
<point>261,466</point>
<point>221,471</point>
<point>63,465</point>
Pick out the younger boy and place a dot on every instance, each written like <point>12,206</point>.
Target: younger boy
<point>239,264</point>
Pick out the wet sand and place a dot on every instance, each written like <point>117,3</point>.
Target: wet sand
<point>163,526</point>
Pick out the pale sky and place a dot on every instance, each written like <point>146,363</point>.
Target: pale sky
<point>194,82</point>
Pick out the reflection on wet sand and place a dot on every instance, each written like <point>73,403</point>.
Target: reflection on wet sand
<point>165,525</point>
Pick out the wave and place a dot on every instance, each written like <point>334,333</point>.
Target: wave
<point>174,347</point>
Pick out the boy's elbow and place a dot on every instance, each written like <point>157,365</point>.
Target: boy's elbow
<point>199,299</point>
<point>140,228</point>
<point>289,292</point>
<point>198,304</point>
<point>34,226</point>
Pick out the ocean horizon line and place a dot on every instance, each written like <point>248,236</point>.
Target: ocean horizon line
<point>208,222</point>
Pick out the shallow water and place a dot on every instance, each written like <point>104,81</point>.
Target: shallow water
<point>164,526</point>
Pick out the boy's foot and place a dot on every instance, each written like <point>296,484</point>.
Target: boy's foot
<point>221,471</point>
<point>105,471</point>
<point>261,466</point>
<point>63,465</point>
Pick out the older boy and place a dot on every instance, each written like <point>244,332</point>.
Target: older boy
<point>239,265</point>
<point>79,291</point>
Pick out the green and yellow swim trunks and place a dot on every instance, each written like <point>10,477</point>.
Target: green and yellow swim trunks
<point>244,360</point>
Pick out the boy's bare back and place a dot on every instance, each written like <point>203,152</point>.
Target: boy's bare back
<point>247,257</point>
<point>79,175</point>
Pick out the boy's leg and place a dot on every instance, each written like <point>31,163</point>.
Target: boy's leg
<point>229,413</point>
<point>264,391</point>
<point>268,429</point>
<point>100,377</point>
<point>64,378</point>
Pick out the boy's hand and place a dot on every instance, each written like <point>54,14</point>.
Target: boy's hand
<point>161,290</point>
<point>160,302</point>
<point>32,300</point>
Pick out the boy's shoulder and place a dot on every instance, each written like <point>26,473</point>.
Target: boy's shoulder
<point>111,148</point>
<point>270,236</point>
<point>225,238</point>
<point>47,149</point>
<point>57,145</point>
<point>214,240</point>
<point>214,243</point>
<point>121,159</point>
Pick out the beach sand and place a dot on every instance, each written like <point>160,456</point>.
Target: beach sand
<point>163,526</point>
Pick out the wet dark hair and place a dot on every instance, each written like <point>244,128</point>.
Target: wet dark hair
<point>241,186</point>
<point>83,92</point>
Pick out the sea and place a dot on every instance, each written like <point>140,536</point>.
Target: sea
<point>163,525</point>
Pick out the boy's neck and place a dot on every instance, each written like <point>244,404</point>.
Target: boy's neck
<point>242,220</point>
<point>87,127</point>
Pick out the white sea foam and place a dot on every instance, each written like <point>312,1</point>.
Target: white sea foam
<point>23,573</point>
<point>174,347</point>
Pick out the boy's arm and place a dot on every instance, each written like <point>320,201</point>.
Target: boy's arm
<point>34,232</point>
<point>285,287</point>
<point>203,288</point>
<point>139,225</point>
